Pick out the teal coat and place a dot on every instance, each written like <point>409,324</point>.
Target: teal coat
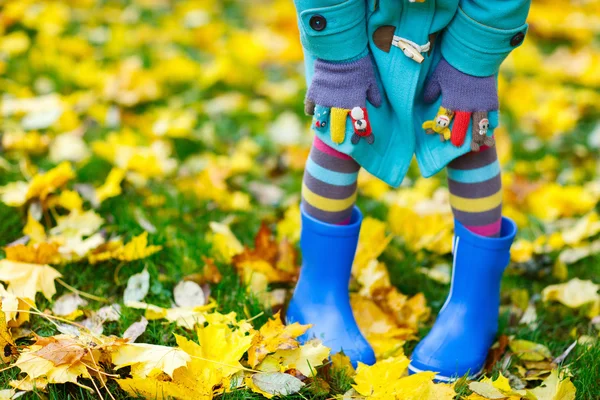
<point>474,36</point>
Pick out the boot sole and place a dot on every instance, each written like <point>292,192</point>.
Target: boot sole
<point>442,378</point>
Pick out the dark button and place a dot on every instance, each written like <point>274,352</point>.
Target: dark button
<point>517,39</point>
<point>318,22</point>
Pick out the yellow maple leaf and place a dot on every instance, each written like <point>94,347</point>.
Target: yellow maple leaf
<point>555,387</point>
<point>378,379</point>
<point>70,200</point>
<point>387,380</point>
<point>496,389</point>
<point>221,344</point>
<point>573,294</point>
<point>35,230</point>
<point>304,358</point>
<point>224,243</point>
<point>372,276</point>
<point>389,319</point>
<point>521,251</point>
<point>149,360</point>
<point>275,262</point>
<point>371,243</point>
<point>274,336</point>
<point>529,351</point>
<point>14,194</point>
<point>136,249</point>
<point>41,253</point>
<point>181,387</point>
<point>47,183</point>
<point>14,308</point>
<point>7,344</point>
<point>25,280</point>
<point>112,186</point>
<point>289,226</point>
<point>186,317</point>
<point>59,359</point>
<point>76,224</point>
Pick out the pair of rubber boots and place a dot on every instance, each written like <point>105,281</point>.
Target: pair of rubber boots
<point>465,328</point>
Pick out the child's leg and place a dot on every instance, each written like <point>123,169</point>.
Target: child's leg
<point>330,228</point>
<point>329,185</point>
<point>466,326</point>
<point>476,191</point>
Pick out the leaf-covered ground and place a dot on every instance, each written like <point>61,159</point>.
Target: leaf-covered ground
<point>151,161</point>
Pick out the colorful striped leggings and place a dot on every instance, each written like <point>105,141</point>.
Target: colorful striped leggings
<point>329,188</point>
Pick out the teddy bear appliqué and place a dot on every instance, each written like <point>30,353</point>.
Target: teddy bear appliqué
<point>361,125</point>
<point>480,137</point>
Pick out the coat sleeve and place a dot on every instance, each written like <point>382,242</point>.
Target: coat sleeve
<point>333,30</point>
<point>483,33</point>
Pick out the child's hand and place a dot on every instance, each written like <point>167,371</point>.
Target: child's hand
<point>468,96</point>
<point>342,85</point>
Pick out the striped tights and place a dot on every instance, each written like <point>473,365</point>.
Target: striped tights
<point>329,185</point>
<point>329,188</point>
<point>476,191</point>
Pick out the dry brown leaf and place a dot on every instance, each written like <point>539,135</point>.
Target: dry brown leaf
<point>60,349</point>
<point>276,261</point>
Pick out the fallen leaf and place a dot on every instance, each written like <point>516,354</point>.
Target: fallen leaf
<point>573,294</point>
<point>215,358</point>
<point>529,351</point>
<point>186,317</point>
<point>14,308</point>
<point>137,287</point>
<point>439,273</point>
<point>64,358</point>
<point>148,360</point>
<point>111,187</point>
<point>40,253</point>
<point>224,243</point>
<point>67,304</point>
<point>25,280</point>
<point>136,330</point>
<point>495,389</point>
<point>77,224</point>
<point>375,380</point>
<point>188,294</point>
<point>14,194</point>
<point>372,241</point>
<point>276,261</point>
<point>276,384</point>
<point>341,362</point>
<point>136,249</point>
<point>44,184</point>
<point>304,358</point>
<point>60,350</point>
<point>274,336</point>
<point>7,344</point>
<point>554,387</point>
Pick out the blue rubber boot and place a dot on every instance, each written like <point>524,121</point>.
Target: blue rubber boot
<point>466,326</point>
<point>321,296</point>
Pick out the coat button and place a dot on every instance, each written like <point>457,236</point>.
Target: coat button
<point>517,39</point>
<point>318,22</point>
